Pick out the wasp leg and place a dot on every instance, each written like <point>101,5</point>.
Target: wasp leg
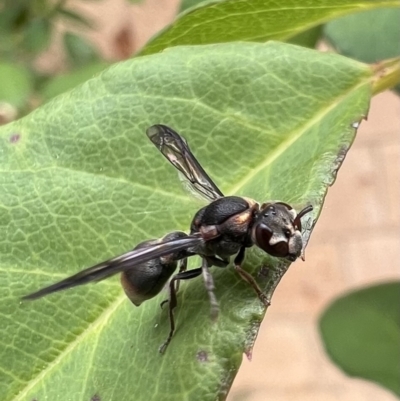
<point>172,301</point>
<point>247,277</point>
<point>182,268</point>
<point>209,284</point>
<point>214,261</point>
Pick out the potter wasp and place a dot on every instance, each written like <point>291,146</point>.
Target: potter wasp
<point>226,226</point>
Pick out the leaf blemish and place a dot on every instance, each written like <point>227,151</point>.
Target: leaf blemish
<point>264,271</point>
<point>339,159</point>
<point>95,398</point>
<point>202,356</point>
<point>14,138</point>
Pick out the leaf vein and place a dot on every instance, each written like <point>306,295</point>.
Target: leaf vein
<point>71,346</point>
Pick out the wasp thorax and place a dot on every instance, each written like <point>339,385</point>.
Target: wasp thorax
<point>277,230</point>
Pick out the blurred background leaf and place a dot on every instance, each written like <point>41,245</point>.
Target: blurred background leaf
<point>361,333</point>
<point>368,36</point>
<point>79,50</point>
<point>37,35</point>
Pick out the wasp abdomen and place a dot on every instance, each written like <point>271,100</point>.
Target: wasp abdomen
<point>146,280</point>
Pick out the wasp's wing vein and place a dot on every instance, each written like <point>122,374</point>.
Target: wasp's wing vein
<point>176,150</point>
<point>118,264</point>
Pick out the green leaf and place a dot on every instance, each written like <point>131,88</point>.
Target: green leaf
<point>361,333</point>
<point>254,20</point>
<point>62,83</point>
<point>15,84</point>
<point>370,36</point>
<point>81,183</point>
<point>37,35</point>
<point>307,38</point>
<point>79,50</point>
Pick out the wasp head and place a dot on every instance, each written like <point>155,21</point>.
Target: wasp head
<point>277,230</point>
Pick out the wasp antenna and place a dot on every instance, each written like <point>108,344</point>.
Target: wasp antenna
<point>297,220</point>
<point>306,210</point>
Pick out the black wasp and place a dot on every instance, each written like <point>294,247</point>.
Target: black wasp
<point>225,227</point>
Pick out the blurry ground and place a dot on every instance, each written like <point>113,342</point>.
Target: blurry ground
<point>356,241</point>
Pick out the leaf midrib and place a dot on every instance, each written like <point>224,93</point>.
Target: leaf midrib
<point>72,345</point>
<point>290,139</point>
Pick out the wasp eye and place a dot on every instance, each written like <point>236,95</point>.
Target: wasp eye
<point>287,233</point>
<point>263,235</point>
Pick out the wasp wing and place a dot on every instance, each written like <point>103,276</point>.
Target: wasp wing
<point>120,263</point>
<point>175,148</point>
